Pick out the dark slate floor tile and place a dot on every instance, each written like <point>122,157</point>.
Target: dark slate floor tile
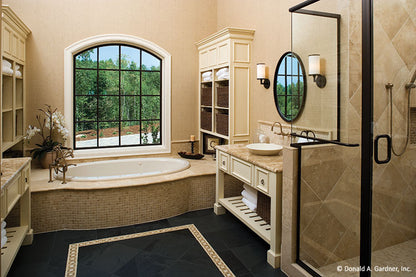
<point>114,232</point>
<point>233,263</point>
<point>242,250</point>
<point>183,268</point>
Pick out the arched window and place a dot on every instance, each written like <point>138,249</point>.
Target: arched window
<point>116,97</point>
<point>119,98</point>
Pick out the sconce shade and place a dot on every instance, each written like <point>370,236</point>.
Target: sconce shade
<point>261,71</point>
<point>314,64</point>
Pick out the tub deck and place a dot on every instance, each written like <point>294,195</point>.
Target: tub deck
<point>40,177</point>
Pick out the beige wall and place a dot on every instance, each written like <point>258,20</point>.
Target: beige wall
<point>271,20</point>
<point>173,25</point>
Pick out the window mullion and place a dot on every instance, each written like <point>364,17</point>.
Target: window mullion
<point>140,100</point>
<point>98,98</point>
<point>119,95</point>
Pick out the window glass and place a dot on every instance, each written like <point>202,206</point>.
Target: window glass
<point>117,96</point>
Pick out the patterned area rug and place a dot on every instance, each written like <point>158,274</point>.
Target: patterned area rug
<point>174,251</point>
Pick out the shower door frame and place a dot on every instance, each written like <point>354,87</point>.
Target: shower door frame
<point>367,142</point>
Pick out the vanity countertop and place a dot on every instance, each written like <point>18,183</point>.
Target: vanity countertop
<point>10,167</point>
<point>271,163</point>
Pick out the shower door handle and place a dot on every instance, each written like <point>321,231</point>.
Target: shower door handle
<point>376,141</point>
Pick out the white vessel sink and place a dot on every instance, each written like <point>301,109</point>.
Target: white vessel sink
<point>265,149</point>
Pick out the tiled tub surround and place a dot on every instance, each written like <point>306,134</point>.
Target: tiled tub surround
<point>92,205</point>
<point>264,174</point>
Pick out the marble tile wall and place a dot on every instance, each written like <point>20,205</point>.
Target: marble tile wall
<point>331,175</point>
<point>394,184</point>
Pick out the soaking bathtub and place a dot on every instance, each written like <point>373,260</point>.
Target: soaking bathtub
<point>123,169</point>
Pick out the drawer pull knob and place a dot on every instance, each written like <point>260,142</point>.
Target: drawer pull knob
<point>223,162</point>
<point>262,181</point>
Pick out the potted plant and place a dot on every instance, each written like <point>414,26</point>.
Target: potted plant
<point>52,132</point>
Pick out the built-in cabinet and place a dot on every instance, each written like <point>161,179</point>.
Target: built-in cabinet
<point>13,52</point>
<point>224,99</point>
<point>15,189</point>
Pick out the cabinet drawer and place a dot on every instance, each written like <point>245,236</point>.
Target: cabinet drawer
<point>241,169</point>
<point>223,160</point>
<point>262,179</point>
<point>24,180</point>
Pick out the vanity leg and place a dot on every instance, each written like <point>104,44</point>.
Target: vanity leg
<point>219,190</point>
<point>25,216</point>
<point>274,253</point>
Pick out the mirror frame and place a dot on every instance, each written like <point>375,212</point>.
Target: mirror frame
<point>302,67</point>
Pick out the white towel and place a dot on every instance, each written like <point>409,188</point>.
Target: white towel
<point>224,76</point>
<point>222,71</point>
<point>250,205</point>
<point>3,232</point>
<point>207,74</point>
<point>7,70</point>
<point>3,224</point>
<point>6,64</point>
<point>18,74</point>
<point>249,197</point>
<point>250,190</point>
<point>3,241</point>
<point>207,79</point>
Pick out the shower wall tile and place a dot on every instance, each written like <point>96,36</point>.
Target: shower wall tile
<point>384,9</point>
<point>349,246</point>
<point>404,42</point>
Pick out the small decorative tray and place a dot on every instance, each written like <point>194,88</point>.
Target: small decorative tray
<point>192,156</point>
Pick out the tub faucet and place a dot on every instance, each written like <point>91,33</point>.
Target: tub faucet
<point>281,129</point>
<point>60,164</point>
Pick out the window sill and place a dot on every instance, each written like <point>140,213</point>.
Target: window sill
<point>121,151</point>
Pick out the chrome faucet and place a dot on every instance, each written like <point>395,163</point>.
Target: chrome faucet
<point>281,129</point>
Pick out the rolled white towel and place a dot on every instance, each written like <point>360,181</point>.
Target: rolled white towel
<point>3,232</point>
<point>7,70</point>
<point>207,79</point>
<point>18,74</point>
<point>207,74</point>
<point>3,224</point>
<point>3,241</point>
<point>249,197</point>
<point>250,190</point>
<point>224,76</point>
<point>250,205</point>
<point>17,67</point>
<point>6,64</point>
<point>222,71</point>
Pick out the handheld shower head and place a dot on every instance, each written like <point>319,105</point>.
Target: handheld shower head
<point>412,82</point>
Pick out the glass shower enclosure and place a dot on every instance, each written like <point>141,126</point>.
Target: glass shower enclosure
<point>356,137</point>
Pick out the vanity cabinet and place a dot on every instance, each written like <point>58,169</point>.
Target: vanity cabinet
<point>15,188</point>
<point>224,99</point>
<point>261,173</point>
<point>14,34</point>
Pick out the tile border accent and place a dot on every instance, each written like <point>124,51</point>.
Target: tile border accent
<point>72,260</point>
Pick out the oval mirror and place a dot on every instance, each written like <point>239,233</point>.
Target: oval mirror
<point>289,86</point>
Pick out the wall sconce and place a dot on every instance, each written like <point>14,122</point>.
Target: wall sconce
<point>261,75</point>
<point>315,70</point>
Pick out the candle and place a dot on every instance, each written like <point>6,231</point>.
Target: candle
<point>192,138</point>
